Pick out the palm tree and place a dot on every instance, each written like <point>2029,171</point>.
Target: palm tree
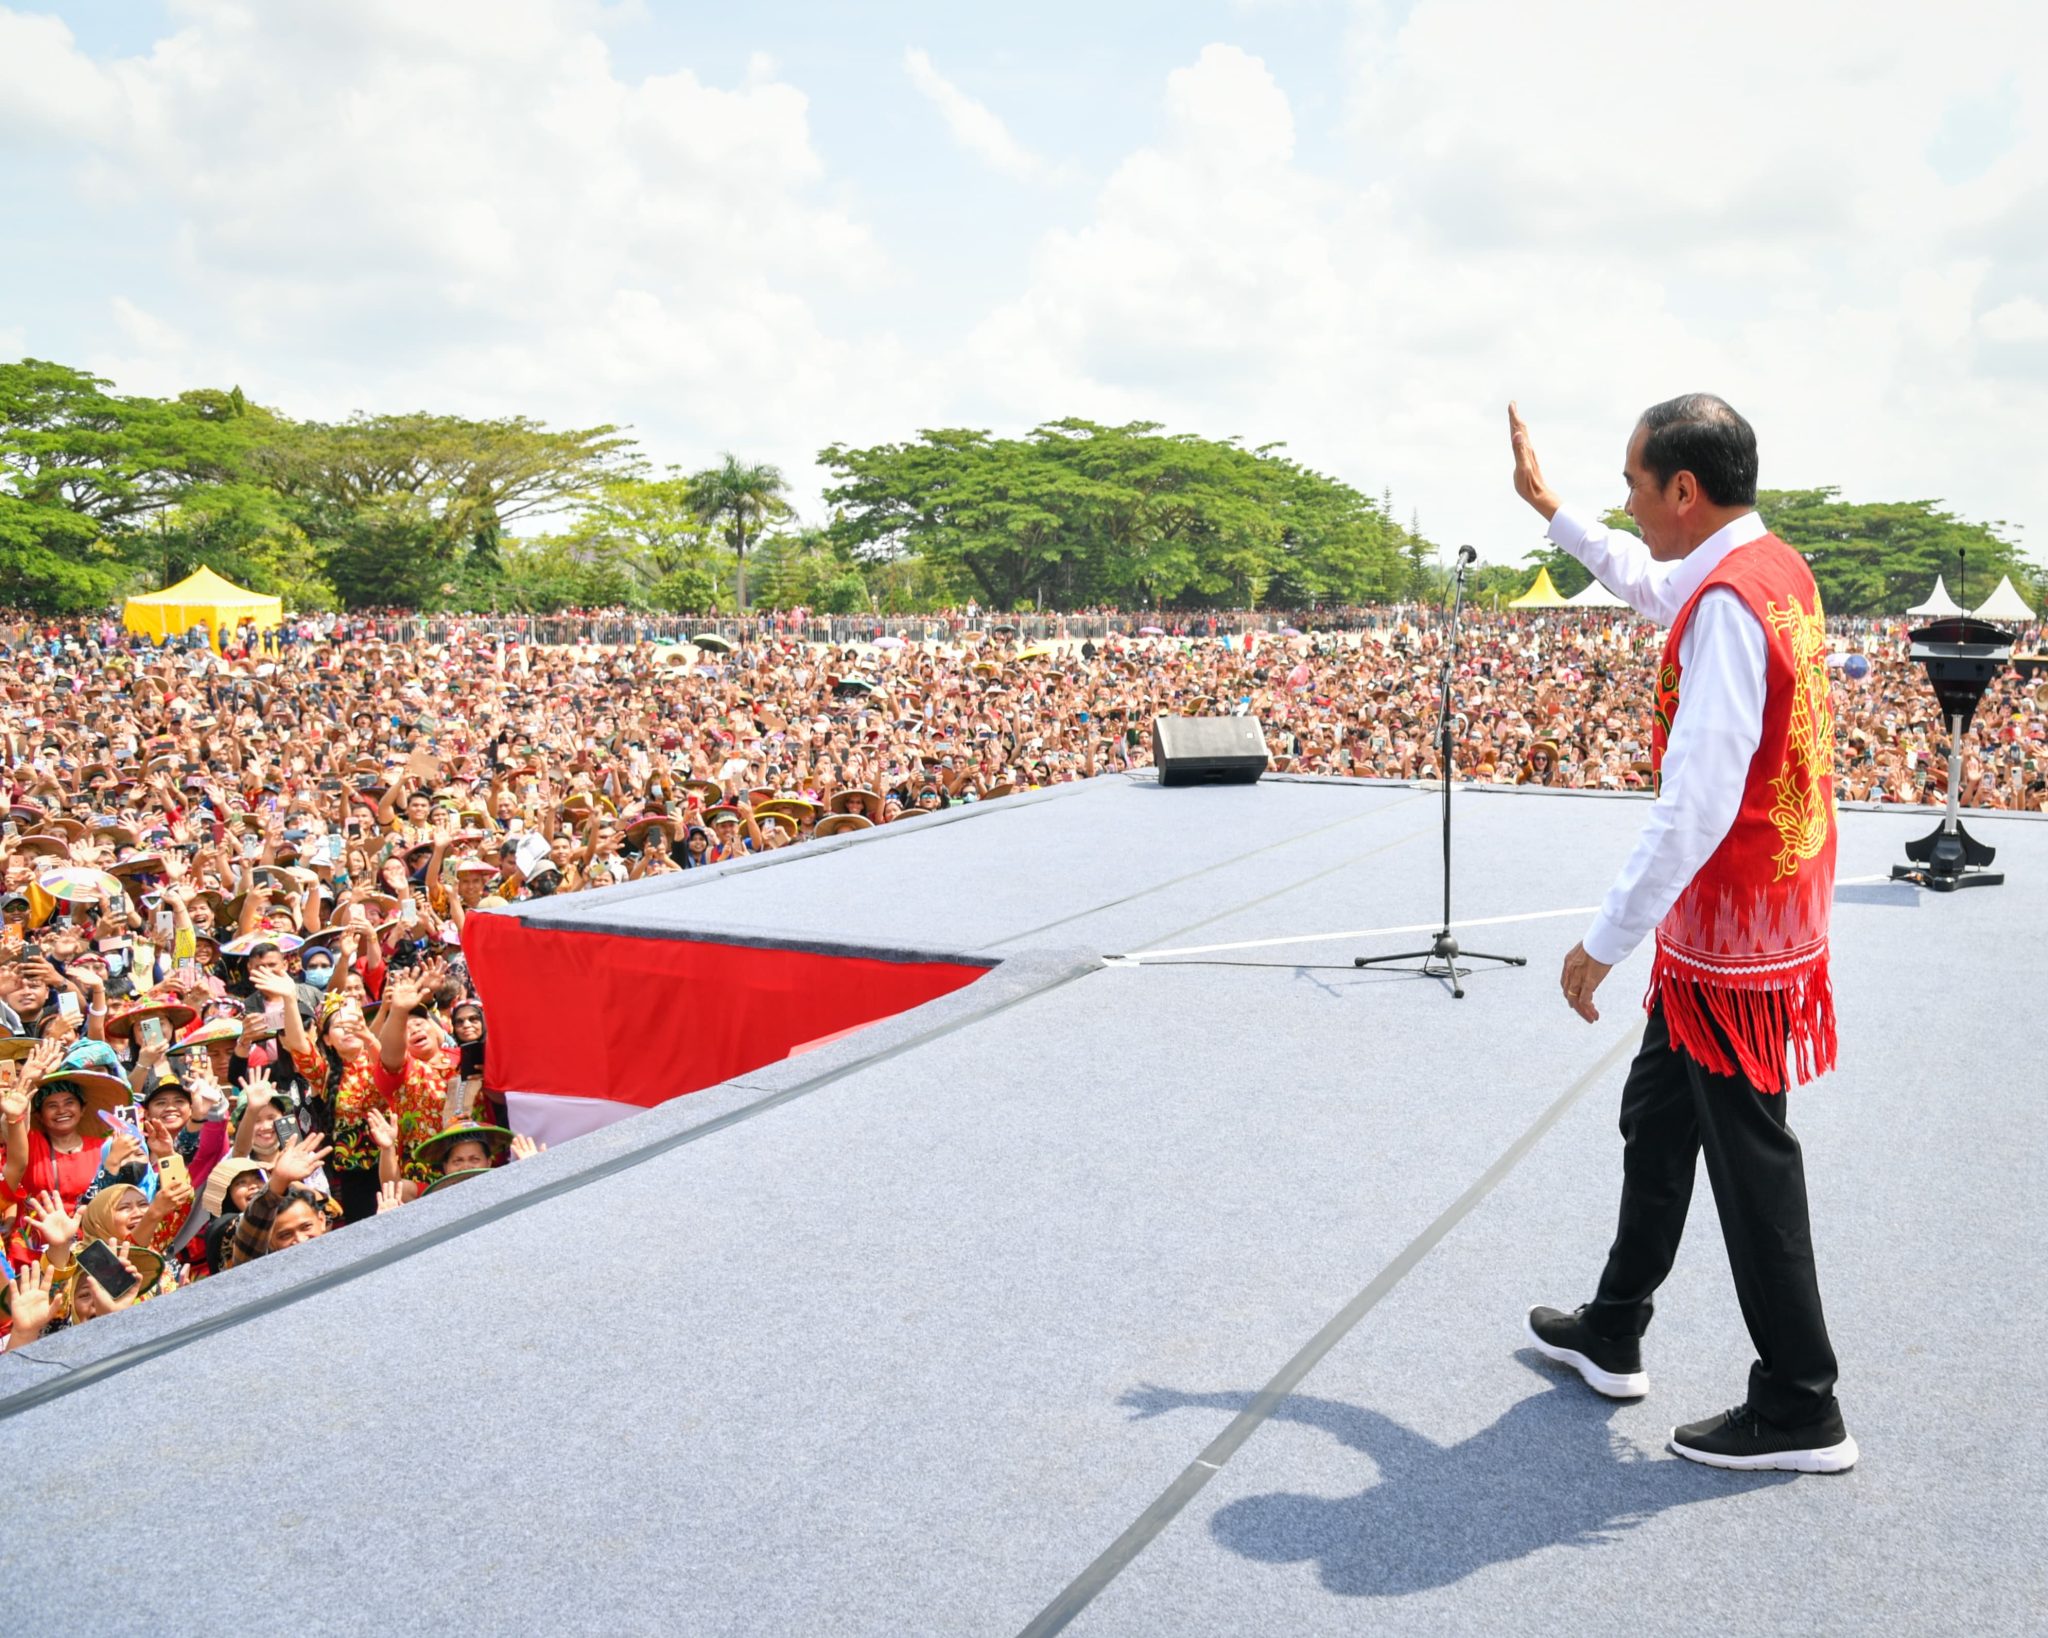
<point>739,498</point>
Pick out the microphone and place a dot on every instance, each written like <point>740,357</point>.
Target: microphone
<point>1468,554</point>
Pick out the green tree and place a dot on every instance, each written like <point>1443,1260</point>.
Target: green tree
<point>648,532</point>
<point>87,478</point>
<point>414,509</point>
<point>1567,573</point>
<point>1881,558</point>
<point>1079,512</point>
<point>739,499</point>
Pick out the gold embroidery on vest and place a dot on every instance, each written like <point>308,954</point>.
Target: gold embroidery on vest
<point>1666,708</point>
<point>1799,795</point>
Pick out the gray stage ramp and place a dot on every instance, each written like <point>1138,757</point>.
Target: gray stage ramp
<point>975,1321</point>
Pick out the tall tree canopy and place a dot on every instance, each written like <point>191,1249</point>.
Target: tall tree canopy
<point>103,493</point>
<point>1076,513</point>
<point>1881,558</point>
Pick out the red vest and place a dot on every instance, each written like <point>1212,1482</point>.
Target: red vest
<point>1742,958</point>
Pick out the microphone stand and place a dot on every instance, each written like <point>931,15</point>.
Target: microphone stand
<point>1442,958</point>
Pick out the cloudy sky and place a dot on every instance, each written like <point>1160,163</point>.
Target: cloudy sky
<point>1356,228</point>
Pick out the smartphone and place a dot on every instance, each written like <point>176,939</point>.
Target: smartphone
<point>273,1015</point>
<point>285,1129</point>
<point>335,846</point>
<point>118,1122</point>
<point>67,1004</point>
<point>408,913</point>
<point>172,1169</point>
<point>97,1258</point>
<point>150,1032</point>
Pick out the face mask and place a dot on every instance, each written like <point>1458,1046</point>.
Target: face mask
<point>318,976</point>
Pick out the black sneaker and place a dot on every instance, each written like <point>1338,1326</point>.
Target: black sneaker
<point>1742,1439</point>
<point>1612,1368</point>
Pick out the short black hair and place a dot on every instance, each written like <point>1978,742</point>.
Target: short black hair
<point>1701,434</point>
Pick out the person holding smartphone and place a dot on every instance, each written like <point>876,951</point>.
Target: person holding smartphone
<point>43,1113</point>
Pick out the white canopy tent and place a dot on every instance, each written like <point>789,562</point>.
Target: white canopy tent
<point>1938,602</point>
<point>1595,596</point>
<point>2004,604</point>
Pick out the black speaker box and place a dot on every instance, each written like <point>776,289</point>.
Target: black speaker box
<point>1208,750</point>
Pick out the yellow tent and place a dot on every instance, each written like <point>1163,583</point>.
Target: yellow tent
<point>1540,595</point>
<point>201,595</point>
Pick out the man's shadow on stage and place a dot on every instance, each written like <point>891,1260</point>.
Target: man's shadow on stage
<point>1549,1473</point>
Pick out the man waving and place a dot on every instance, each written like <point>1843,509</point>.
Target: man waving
<point>1734,871</point>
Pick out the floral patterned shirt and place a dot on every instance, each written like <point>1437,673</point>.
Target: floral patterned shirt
<point>418,1098</point>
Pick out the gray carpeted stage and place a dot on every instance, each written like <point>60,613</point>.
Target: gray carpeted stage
<point>987,1315</point>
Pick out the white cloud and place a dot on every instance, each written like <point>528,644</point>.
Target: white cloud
<point>974,126</point>
<point>2020,320</point>
<point>465,206</point>
<point>1588,210</point>
<point>475,206</point>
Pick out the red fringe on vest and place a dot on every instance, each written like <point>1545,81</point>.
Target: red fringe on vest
<point>1757,1019</point>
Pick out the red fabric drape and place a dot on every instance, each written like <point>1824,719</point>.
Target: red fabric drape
<point>643,1020</point>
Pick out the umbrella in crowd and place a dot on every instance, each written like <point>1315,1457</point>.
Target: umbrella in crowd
<point>889,642</point>
<point>77,884</point>
<point>1151,631</point>
<point>711,641</point>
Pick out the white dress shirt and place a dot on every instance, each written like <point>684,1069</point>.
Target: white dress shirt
<point>1714,735</point>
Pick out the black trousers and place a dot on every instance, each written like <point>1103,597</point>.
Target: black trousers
<point>356,1189</point>
<point>1672,1111</point>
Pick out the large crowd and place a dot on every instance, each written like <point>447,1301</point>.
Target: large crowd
<point>234,1013</point>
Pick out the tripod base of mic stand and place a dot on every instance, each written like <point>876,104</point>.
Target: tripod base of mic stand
<point>1441,960</point>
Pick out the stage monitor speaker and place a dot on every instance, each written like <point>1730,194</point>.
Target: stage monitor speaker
<point>1208,750</point>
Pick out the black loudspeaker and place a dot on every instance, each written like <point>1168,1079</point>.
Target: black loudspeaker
<point>1208,750</point>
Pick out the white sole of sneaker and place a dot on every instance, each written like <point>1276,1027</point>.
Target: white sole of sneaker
<point>1828,1459</point>
<point>1614,1384</point>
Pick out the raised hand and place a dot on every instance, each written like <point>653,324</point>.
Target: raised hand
<point>104,1304</point>
<point>54,1226</point>
<point>298,1160</point>
<point>15,1095</point>
<point>524,1148</point>
<point>28,1304</point>
<point>42,1059</point>
<point>152,1053</point>
<point>383,1129</point>
<point>176,1187</point>
<point>279,986</point>
<point>158,1136</point>
<point>122,1152</point>
<point>1529,482</point>
<point>390,1196</point>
